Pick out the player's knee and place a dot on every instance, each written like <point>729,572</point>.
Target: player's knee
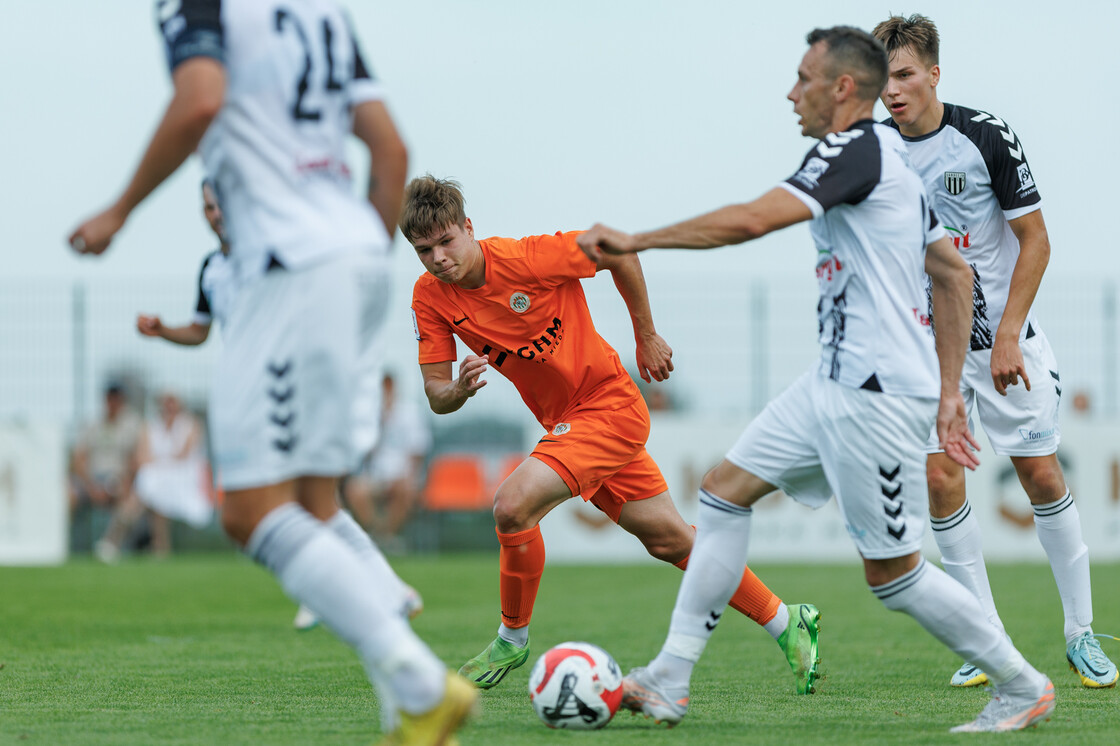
<point>236,525</point>
<point>944,484</point>
<point>1042,481</point>
<point>511,514</point>
<point>671,548</point>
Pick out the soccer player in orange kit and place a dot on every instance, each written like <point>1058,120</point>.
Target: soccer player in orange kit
<point>519,306</point>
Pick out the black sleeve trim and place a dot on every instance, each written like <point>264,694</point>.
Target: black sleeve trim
<point>203,304</point>
<point>844,168</point>
<point>194,31</point>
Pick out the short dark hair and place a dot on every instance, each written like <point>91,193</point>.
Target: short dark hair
<point>917,32</point>
<point>854,52</point>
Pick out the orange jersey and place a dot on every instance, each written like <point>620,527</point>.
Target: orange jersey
<point>531,318</point>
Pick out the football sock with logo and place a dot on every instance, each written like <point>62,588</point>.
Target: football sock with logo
<point>317,568</point>
<point>715,569</point>
<point>949,612</point>
<point>385,580</point>
<point>1058,525</point>
<point>962,556</point>
<point>521,564</point>
<point>752,598</point>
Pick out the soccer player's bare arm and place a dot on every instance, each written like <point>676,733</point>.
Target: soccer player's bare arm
<point>188,335</point>
<point>199,91</point>
<point>726,226</point>
<point>951,280</point>
<point>446,394</point>
<point>388,166</point>
<point>654,355</point>
<point>1034,254</point>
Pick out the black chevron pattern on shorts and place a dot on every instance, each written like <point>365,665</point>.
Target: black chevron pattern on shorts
<point>1057,382</point>
<point>891,487</point>
<point>281,389</point>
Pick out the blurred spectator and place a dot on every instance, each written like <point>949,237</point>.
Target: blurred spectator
<point>170,481</point>
<point>102,465</point>
<point>1082,404</point>
<point>384,492</point>
<point>657,395</point>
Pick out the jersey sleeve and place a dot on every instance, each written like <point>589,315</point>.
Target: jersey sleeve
<point>433,332</point>
<point>556,259</point>
<point>842,169</point>
<point>364,85</point>
<point>1010,174</point>
<point>935,229</point>
<point>202,313</point>
<point>191,28</point>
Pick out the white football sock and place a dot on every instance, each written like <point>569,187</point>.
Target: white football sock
<point>778,624</point>
<point>962,556</point>
<point>949,612</point>
<point>315,567</point>
<point>1058,525</point>
<point>715,569</point>
<point>384,577</point>
<point>518,636</point>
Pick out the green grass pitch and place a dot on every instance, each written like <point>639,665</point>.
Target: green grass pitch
<point>200,650</point>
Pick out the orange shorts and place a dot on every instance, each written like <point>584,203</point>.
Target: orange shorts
<point>601,456</point>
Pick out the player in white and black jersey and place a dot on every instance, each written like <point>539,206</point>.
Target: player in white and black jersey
<point>217,288</point>
<point>216,285</point>
<point>982,188</point>
<point>268,92</point>
<point>855,424</point>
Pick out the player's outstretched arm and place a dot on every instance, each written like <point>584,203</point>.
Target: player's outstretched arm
<point>726,226</point>
<point>1034,254</point>
<point>654,355</point>
<point>446,394</point>
<point>951,279</point>
<point>188,335</point>
<point>388,160</point>
<point>200,85</point>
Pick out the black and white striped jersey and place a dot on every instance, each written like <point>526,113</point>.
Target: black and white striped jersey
<point>978,179</point>
<point>217,287</point>
<point>871,225</point>
<point>276,150</point>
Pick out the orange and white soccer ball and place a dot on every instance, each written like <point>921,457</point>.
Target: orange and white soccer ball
<point>575,685</point>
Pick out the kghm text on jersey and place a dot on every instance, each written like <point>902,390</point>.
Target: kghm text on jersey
<point>548,342</point>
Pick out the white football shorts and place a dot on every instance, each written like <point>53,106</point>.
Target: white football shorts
<point>819,438</point>
<point>1023,423</point>
<point>284,402</point>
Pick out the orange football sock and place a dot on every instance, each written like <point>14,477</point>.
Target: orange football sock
<point>521,563</point>
<point>752,597</point>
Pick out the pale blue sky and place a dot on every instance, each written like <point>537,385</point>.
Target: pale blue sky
<point>555,115</point>
<point>552,114</point>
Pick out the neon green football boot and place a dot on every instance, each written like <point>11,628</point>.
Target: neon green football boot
<point>799,642</point>
<point>489,667</point>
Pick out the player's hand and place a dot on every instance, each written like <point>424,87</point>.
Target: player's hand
<point>470,375</point>
<point>149,326</point>
<point>95,235</point>
<point>655,357</point>
<point>1007,365</point>
<point>953,434</point>
<point>603,240</point>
